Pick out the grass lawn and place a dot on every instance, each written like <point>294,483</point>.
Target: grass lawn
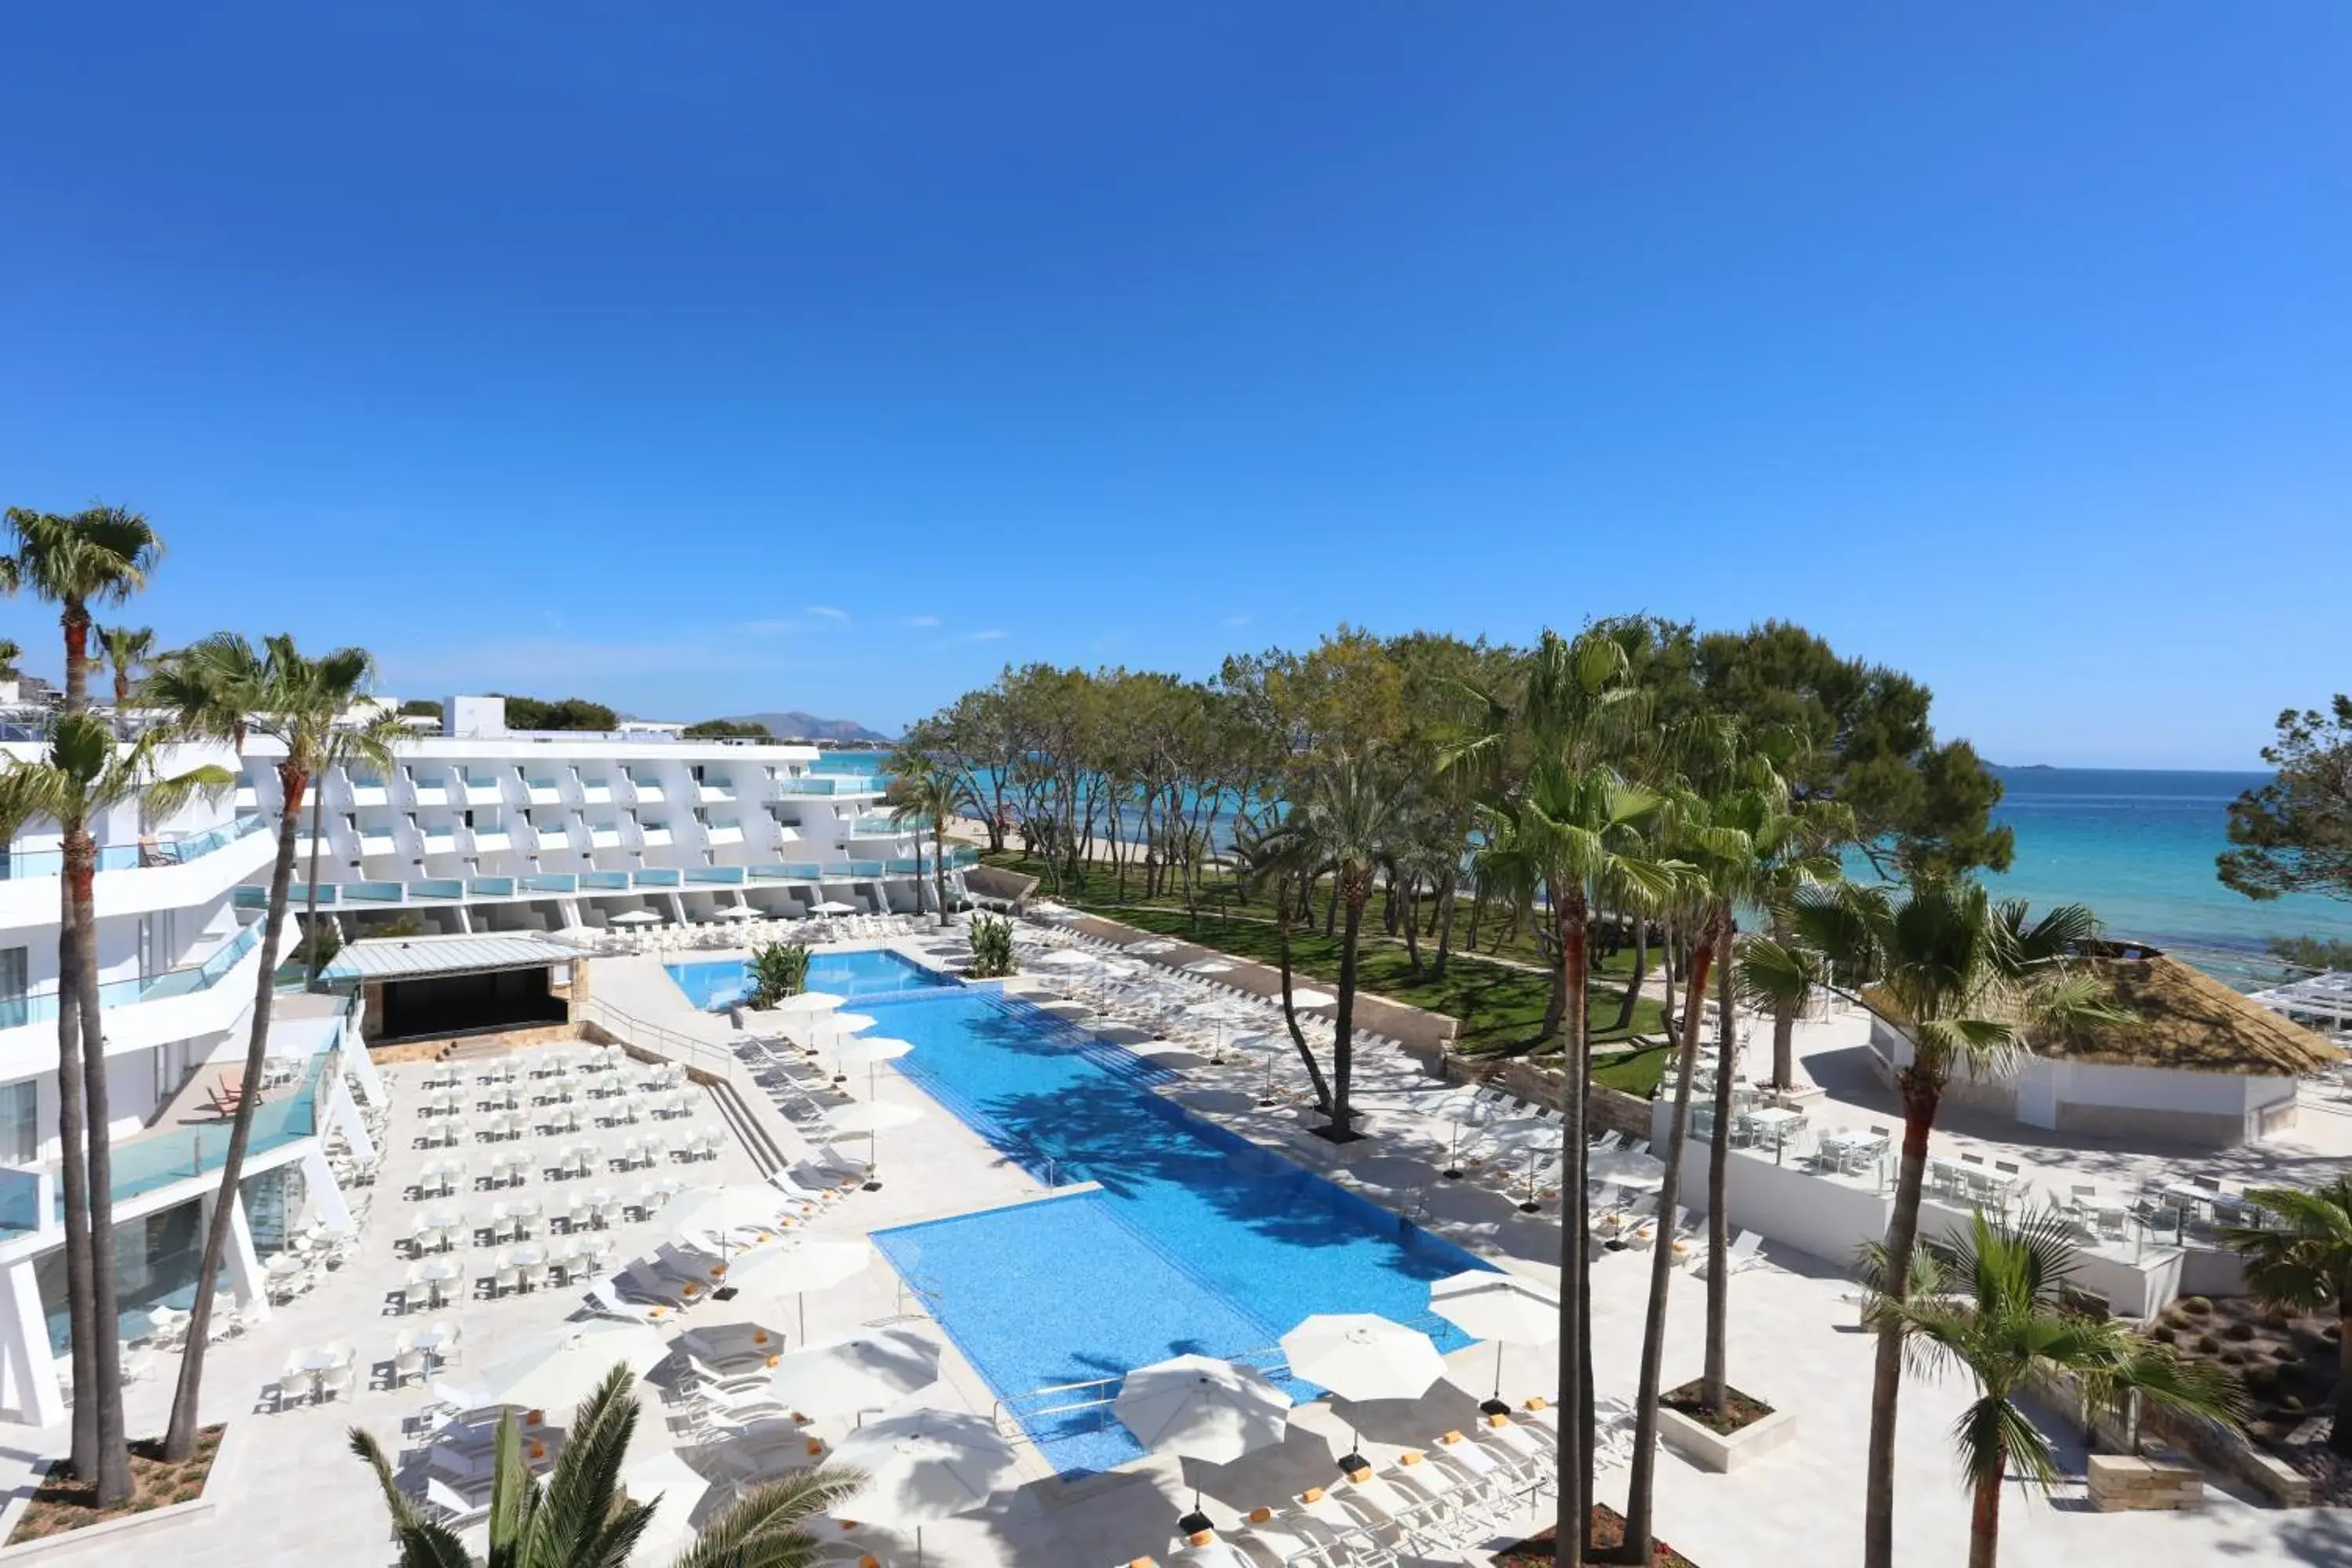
<point>1499,1007</point>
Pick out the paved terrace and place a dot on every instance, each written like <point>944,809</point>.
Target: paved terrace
<point>296,1497</point>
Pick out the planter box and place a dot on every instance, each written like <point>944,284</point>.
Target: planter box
<point>119,1535</point>
<point>2119,1483</point>
<point>1709,1451</point>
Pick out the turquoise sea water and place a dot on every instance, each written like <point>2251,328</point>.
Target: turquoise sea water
<point>2138,846</point>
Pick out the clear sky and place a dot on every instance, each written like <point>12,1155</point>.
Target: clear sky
<point>711,357</point>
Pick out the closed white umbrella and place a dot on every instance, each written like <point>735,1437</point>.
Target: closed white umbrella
<point>560,1370</point>
<point>927,1465</point>
<point>1065,958</point>
<point>835,907</point>
<point>1198,1407</point>
<point>1271,1047</point>
<point>1360,1356</point>
<point>1313,999</point>
<point>865,1372</point>
<point>1209,967</point>
<point>1220,1012</point>
<point>1486,1304</point>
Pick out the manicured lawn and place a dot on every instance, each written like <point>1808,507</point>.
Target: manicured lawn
<point>1500,1006</point>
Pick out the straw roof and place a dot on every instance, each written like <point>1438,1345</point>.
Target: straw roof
<point>2183,1020</point>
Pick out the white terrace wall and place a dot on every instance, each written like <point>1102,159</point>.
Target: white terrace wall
<point>2210,1110</point>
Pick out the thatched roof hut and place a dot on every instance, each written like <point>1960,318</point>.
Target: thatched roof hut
<point>2181,1018</point>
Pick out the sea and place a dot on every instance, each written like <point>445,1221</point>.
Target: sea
<point>2138,847</point>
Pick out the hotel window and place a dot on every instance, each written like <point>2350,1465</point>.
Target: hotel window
<point>20,1120</point>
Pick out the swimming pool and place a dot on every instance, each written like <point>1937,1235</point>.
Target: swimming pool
<point>860,976</point>
<point>1198,1241</point>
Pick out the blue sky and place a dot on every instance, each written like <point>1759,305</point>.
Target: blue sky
<point>728,356</point>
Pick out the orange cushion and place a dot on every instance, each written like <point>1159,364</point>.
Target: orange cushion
<point>1260,1515</point>
<point>1538,1402</point>
<point>1451,1438</point>
<point>1312,1494</point>
<point>1410,1457</point>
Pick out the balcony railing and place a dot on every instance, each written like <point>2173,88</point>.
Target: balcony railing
<point>766,872</point>
<point>41,1006</point>
<point>176,849</point>
<point>887,827</point>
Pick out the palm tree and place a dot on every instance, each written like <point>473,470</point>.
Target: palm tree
<point>11,650</point>
<point>223,687</point>
<point>98,556</point>
<point>1565,827</point>
<point>1964,982</point>
<point>2304,1264</point>
<point>927,790</point>
<point>84,775</point>
<point>128,651</point>
<point>581,1518</point>
<point>1345,819</point>
<point>1993,1310</point>
<point>1271,864</point>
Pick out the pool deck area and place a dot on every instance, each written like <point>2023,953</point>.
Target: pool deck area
<point>295,1495</point>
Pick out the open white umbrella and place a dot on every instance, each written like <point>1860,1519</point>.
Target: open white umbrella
<point>1153,945</point>
<point>636,918</point>
<point>1065,958</point>
<point>702,1213</point>
<point>1198,1407</point>
<point>736,913</point>
<point>1362,1356</point>
<point>675,1488</point>
<point>1487,1304</point>
<point>559,1370</point>
<point>868,1049</point>
<point>808,1003</point>
<point>835,907</point>
<point>1209,967</point>
<point>804,1263</point>
<point>865,1118</point>
<point>927,1465</point>
<point>865,1372</point>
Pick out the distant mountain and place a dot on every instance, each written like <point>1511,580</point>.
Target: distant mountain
<point>794,725</point>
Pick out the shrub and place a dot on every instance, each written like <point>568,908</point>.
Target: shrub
<point>2287,1356</point>
<point>2164,1333</point>
<point>2207,1344</point>
<point>2290,1402</point>
<point>991,948</point>
<point>779,970</point>
<point>2332,1332</point>
<point>2240,1331</point>
<point>2279,1317</point>
<point>2196,1306</point>
<point>2233,1358</point>
<point>2260,1377</point>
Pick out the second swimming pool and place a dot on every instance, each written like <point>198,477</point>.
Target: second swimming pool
<point>1198,1241</point>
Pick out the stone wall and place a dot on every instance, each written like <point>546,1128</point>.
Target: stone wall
<point>2119,1483</point>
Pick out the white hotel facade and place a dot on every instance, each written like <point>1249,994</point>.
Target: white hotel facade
<point>477,830</point>
<point>474,830</point>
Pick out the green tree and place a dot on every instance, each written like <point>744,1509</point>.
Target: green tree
<point>84,776</point>
<point>129,652</point>
<point>2304,1263</point>
<point>2293,835</point>
<point>99,556</point>
<point>420,708</point>
<point>564,713</point>
<point>778,969</point>
<point>11,651</point>
<point>223,687</point>
<point>927,795</point>
<point>1994,1312</point>
<point>581,1516</point>
<point>727,730</point>
<point>1964,982</point>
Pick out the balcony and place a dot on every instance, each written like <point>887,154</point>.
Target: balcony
<point>481,791</point>
<point>814,785</point>
<point>490,840</point>
<point>725,833</point>
<point>597,792</point>
<point>41,1005</point>
<point>370,792</point>
<point>708,792</point>
<point>604,835</point>
<point>552,837</point>
<point>429,794</point>
<point>439,840</point>
<point>887,827</point>
<point>174,850</point>
<point>657,835</point>
<point>647,794</point>
<point>377,841</point>
<point>543,792</point>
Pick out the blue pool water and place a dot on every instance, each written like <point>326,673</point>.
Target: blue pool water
<point>1198,1241</point>
<point>859,976</point>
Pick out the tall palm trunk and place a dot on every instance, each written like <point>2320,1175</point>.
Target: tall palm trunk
<point>1719,1185</point>
<point>1984,1518</point>
<point>73,1180</point>
<point>1575,1477</point>
<point>1640,973</point>
<point>311,962</point>
<point>113,1477</point>
<point>939,866</point>
<point>1641,1487</point>
<point>180,1439</point>
<point>1282,919</point>
<point>1784,1025</point>
<point>1412,924</point>
<point>1355,890</point>
<point>2339,1431</point>
<point>1922,1091</point>
<point>1446,903</point>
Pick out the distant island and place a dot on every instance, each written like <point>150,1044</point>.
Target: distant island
<point>794,725</point>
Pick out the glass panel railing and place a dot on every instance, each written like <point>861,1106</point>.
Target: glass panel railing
<point>731,875</point>
<point>799,872</point>
<point>809,786</point>
<point>960,858</point>
<point>282,1117</point>
<point>859,868</point>
<point>438,887</point>
<point>549,882</point>
<point>250,897</point>
<point>605,879</point>
<point>887,827</point>
<point>372,892</point>
<point>41,1006</point>
<point>656,876</point>
<point>172,850</point>
<point>490,887</point>
<point>298,895</point>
